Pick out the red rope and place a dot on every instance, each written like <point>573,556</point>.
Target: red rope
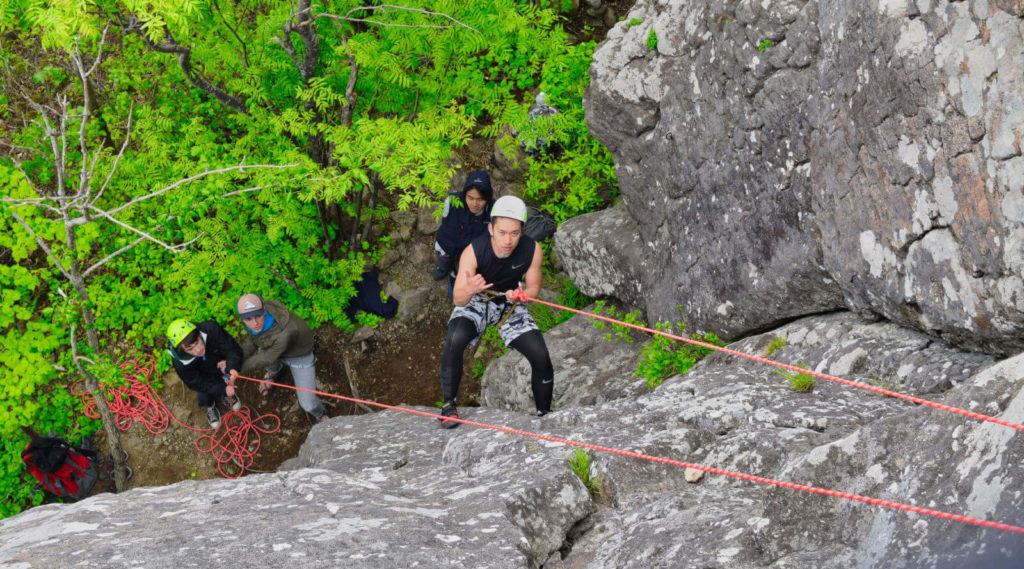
<point>851,383</point>
<point>236,441</point>
<point>709,469</point>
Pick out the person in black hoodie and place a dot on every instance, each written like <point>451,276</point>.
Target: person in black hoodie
<point>463,222</point>
<point>204,355</point>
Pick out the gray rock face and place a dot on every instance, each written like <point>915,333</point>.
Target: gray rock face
<point>392,489</point>
<point>588,370</point>
<point>789,157</point>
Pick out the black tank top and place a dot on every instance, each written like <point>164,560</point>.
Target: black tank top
<point>504,274</point>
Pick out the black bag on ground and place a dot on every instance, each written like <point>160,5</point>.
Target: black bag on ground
<point>539,225</point>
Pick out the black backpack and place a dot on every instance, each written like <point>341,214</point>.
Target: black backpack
<point>540,224</point>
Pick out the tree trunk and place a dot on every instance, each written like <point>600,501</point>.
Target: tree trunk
<point>106,417</point>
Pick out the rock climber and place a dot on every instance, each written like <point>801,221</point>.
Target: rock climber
<point>205,357</point>
<point>462,223</point>
<point>498,262</point>
<point>278,337</point>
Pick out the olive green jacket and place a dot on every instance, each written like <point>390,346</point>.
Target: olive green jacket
<point>288,337</point>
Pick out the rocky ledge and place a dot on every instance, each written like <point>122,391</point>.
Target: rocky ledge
<point>392,489</point>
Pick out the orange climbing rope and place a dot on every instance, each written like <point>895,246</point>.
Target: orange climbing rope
<point>708,469</point>
<point>851,383</point>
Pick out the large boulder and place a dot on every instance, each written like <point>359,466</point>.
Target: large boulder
<point>789,157</point>
<point>393,489</point>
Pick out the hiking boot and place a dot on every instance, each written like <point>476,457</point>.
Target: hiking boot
<point>233,402</point>
<point>438,274</point>
<point>449,410</point>
<point>213,415</point>
<point>542,413</point>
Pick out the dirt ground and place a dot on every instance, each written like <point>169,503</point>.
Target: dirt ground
<point>399,364</point>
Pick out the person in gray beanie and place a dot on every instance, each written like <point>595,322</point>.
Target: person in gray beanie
<point>278,337</point>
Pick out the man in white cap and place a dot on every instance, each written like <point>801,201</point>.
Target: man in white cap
<point>278,337</point>
<point>501,262</point>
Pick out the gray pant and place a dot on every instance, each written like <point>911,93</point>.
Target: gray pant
<point>304,374</point>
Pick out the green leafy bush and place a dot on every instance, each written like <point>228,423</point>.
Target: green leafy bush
<point>776,343</point>
<point>652,40</point>
<point>579,462</point>
<point>801,382</point>
<point>663,357</point>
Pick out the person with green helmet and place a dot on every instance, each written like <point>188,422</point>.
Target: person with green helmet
<point>499,263</point>
<point>205,355</point>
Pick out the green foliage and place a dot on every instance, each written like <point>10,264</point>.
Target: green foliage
<point>801,382</point>
<point>619,331</point>
<point>776,343</point>
<point>652,40</point>
<point>479,369</point>
<point>579,462</point>
<point>634,22</point>
<point>424,87</point>
<point>764,45</point>
<point>491,345</point>
<point>663,357</point>
<point>579,176</point>
<point>572,297</point>
<point>887,384</point>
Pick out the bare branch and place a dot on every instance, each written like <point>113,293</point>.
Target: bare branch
<point>240,168</point>
<point>35,202</point>
<point>117,159</point>
<point>172,248</point>
<point>111,256</point>
<point>22,148</point>
<point>42,245</point>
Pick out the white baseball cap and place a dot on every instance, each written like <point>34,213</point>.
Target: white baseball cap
<point>509,206</point>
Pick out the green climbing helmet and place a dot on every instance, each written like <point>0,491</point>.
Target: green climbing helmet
<point>179,330</point>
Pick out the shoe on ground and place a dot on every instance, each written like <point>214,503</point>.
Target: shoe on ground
<point>323,417</point>
<point>213,415</point>
<point>542,413</point>
<point>233,402</point>
<point>438,274</point>
<point>449,410</point>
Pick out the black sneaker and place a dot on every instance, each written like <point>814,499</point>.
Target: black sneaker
<point>438,274</point>
<point>233,402</point>
<point>542,413</point>
<point>449,410</point>
<point>213,415</point>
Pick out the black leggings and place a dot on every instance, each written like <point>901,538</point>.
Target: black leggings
<point>461,332</point>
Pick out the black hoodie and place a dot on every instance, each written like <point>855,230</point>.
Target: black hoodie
<point>459,226</point>
<point>201,374</point>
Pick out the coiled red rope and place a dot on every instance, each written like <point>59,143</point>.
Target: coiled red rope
<point>708,469</point>
<point>236,441</point>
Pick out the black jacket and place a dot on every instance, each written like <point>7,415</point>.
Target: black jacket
<point>459,226</point>
<point>201,374</point>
